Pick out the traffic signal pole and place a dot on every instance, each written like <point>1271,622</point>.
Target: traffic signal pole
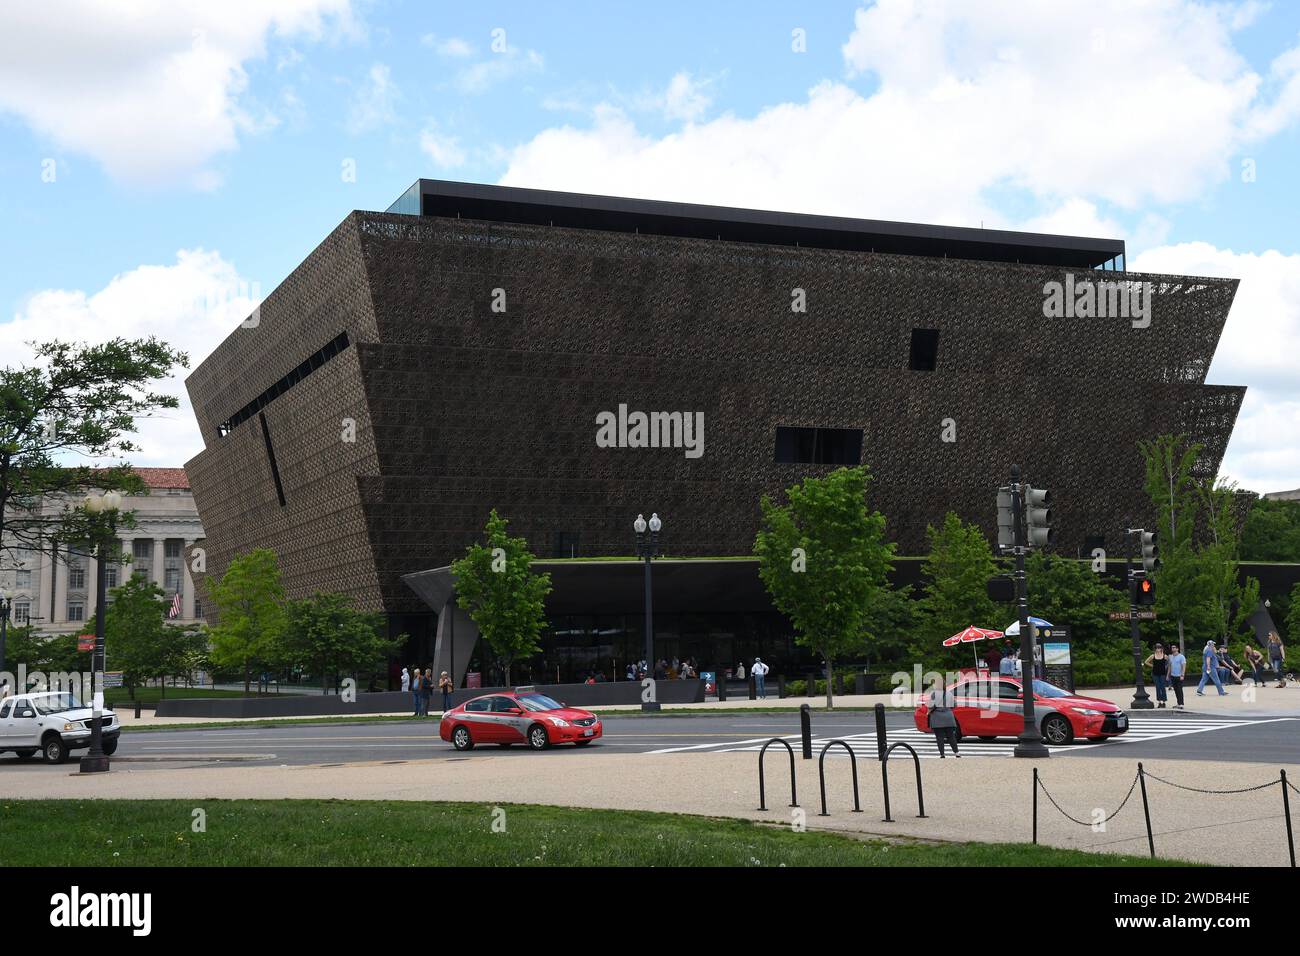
<point>1030,742</point>
<point>1141,699</point>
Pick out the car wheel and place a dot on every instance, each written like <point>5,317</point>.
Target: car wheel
<point>988,740</point>
<point>461,740</point>
<point>1057,730</point>
<point>109,747</point>
<point>55,750</point>
<point>537,738</point>
<point>25,754</point>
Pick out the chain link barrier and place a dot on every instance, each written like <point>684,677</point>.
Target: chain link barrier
<point>1088,823</point>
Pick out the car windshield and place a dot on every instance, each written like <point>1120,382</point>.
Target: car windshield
<point>56,703</point>
<point>1044,689</point>
<point>537,702</point>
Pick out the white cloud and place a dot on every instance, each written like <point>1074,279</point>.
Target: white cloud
<point>686,98</point>
<point>373,104</point>
<point>192,304</point>
<point>1081,101</point>
<point>448,46</point>
<point>445,151</point>
<point>497,68</point>
<point>151,89</point>
<point>1258,349</point>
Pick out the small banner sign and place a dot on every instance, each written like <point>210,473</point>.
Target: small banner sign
<point>1123,615</point>
<point>85,642</point>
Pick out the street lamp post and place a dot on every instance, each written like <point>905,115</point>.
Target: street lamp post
<point>6,604</point>
<point>1141,699</point>
<point>95,760</point>
<point>647,546</point>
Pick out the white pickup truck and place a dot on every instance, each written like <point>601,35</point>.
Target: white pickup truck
<point>53,723</point>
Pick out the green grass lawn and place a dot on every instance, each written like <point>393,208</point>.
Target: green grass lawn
<point>407,833</point>
<point>120,697</point>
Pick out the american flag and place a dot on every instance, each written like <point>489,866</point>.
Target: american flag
<point>176,605</point>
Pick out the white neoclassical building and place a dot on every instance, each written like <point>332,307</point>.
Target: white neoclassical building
<point>55,590</point>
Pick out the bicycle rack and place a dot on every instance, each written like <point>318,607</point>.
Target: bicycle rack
<point>821,775</point>
<point>762,799</point>
<point>884,777</point>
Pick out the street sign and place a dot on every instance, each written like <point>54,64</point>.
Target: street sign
<point>1123,615</point>
<point>112,678</point>
<point>85,642</point>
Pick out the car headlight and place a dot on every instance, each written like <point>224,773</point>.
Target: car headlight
<point>558,721</point>
<point>1088,713</point>
<point>67,727</point>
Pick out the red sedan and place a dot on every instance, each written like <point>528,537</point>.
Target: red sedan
<point>517,717</point>
<point>992,707</point>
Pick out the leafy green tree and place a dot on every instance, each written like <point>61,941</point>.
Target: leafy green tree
<point>1229,601</point>
<point>1272,531</point>
<point>825,561</point>
<point>73,402</point>
<point>135,634</point>
<point>1068,592</point>
<point>1169,461</point>
<point>1292,619</point>
<point>330,636</point>
<point>506,599</point>
<point>957,571</point>
<point>249,600</point>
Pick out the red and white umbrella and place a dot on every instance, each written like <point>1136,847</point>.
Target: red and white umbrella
<point>969,636</point>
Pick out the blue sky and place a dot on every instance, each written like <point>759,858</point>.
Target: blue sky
<point>163,163</point>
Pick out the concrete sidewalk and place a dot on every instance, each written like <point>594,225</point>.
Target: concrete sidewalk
<point>966,800</point>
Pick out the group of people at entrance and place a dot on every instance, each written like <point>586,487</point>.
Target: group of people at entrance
<point>1168,668</point>
<point>420,685</point>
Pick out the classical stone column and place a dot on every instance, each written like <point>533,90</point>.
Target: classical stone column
<point>60,572</point>
<point>92,569</point>
<point>159,572</point>
<point>187,583</point>
<point>41,606</point>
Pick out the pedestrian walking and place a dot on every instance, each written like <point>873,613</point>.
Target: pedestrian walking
<point>1177,671</point>
<point>446,686</point>
<point>415,690</point>
<point>1210,670</point>
<point>1159,665</point>
<point>943,723</point>
<point>426,691</point>
<point>759,672</point>
<point>1277,657</point>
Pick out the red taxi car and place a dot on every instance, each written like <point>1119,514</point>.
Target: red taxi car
<point>516,717</point>
<point>989,707</point>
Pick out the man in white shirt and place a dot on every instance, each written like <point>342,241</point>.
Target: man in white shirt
<point>759,673</point>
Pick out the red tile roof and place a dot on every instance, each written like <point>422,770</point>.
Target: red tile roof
<point>164,477</point>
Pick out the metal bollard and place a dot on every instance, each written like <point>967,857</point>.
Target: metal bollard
<point>780,687</point>
<point>805,728</point>
<point>722,687</point>
<point>753,688</point>
<point>880,731</point>
<point>137,710</point>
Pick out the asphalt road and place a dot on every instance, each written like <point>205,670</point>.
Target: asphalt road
<point>1167,736</point>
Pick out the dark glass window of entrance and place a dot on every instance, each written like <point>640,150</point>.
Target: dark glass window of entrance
<point>818,446</point>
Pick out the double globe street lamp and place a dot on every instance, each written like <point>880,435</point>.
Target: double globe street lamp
<point>107,505</point>
<point>647,546</point>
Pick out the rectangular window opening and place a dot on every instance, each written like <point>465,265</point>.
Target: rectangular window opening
<point>924,353</point>
<point>818,446</point>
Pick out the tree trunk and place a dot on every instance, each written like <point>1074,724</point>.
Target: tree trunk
<point>829,689</point>
<point>248,677</point>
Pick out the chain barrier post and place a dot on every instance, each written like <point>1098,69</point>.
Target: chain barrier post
<point>1286,810</point>
<point>1146,810</point>
<point>1035,806</point>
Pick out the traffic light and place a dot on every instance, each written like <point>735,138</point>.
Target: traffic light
<point>1150,552</point>
<point>1146,592</point>
<point>1006,519</point>
<point>1038,518</point>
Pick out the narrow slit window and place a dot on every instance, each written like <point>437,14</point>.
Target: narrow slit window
<point>924,353</point>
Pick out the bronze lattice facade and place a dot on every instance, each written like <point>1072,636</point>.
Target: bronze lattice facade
<point>379,404</point>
